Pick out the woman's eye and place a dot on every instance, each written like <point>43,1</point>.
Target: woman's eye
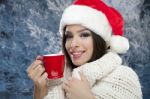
<point>68,36</point>
<point>85,34</point>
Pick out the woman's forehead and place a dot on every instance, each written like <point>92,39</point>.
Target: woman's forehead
<point>76,27</point>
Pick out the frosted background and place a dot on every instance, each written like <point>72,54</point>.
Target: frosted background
<point>30,27</point>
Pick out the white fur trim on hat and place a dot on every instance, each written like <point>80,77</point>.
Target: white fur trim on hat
<point>119,44</point>
<point>88,17</point>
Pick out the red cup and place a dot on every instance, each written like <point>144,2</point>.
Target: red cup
<point>54,65</point>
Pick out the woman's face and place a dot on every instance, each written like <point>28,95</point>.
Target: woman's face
<point>79,44</point>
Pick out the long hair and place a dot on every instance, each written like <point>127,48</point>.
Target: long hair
<point>98,51</point>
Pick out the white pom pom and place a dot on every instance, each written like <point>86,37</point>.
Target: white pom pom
<point>119,44</point>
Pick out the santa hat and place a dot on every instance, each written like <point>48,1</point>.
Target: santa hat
<point>99,18</point>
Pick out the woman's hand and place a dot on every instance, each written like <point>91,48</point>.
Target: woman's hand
<point>78,89</point>
<point>36,72</point>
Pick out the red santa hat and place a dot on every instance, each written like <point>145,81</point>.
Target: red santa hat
<point>99,18</point>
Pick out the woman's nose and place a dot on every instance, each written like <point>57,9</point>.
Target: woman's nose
<point>74,42</point>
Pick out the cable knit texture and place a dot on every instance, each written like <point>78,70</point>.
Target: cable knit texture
<point>107,77</point>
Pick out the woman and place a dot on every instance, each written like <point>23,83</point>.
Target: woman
<point>92,35</point>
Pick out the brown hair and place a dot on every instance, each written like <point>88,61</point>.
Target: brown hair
<point>98,51</point>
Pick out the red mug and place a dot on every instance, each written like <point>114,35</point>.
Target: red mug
<point>54,65</point>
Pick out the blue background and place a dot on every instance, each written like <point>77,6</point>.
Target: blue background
<point>30,27</point>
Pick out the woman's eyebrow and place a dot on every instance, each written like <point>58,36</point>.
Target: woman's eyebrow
<point>67,32</point>
<point>85,29</point>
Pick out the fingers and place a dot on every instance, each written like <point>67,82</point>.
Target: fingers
<point>70,78</point>
<point>83,78</point>
<point>42,79</point>
<point>39,76</point>
<point>68,95</point>
<point>38,61</point>
<point>45,76</point>
<point>34,65</point>
<point>36,73</point>
<point>66,86</point>
<point>39,57</point>
<point>36,70</point>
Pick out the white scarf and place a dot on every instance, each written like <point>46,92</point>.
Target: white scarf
<point>98,69</point>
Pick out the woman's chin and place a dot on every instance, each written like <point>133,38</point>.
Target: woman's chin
<point>78,63</point>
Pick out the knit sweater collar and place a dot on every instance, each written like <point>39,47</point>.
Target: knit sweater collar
<point>109,59</point>
<point>100,68</point>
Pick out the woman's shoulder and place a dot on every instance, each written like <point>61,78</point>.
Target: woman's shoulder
<point>122,82</point>
<point>126,78</point>
<point>126,71</point>
<point>125,75</point>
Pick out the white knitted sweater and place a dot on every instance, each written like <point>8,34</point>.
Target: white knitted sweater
<point>107,77</point>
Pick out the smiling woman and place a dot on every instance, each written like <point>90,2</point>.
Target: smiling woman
<point>79,44</point>
<point>85,40</point>
<point>92,39</point>
<point>30,27</point>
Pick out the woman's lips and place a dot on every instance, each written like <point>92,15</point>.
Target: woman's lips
<point>76,55</point>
